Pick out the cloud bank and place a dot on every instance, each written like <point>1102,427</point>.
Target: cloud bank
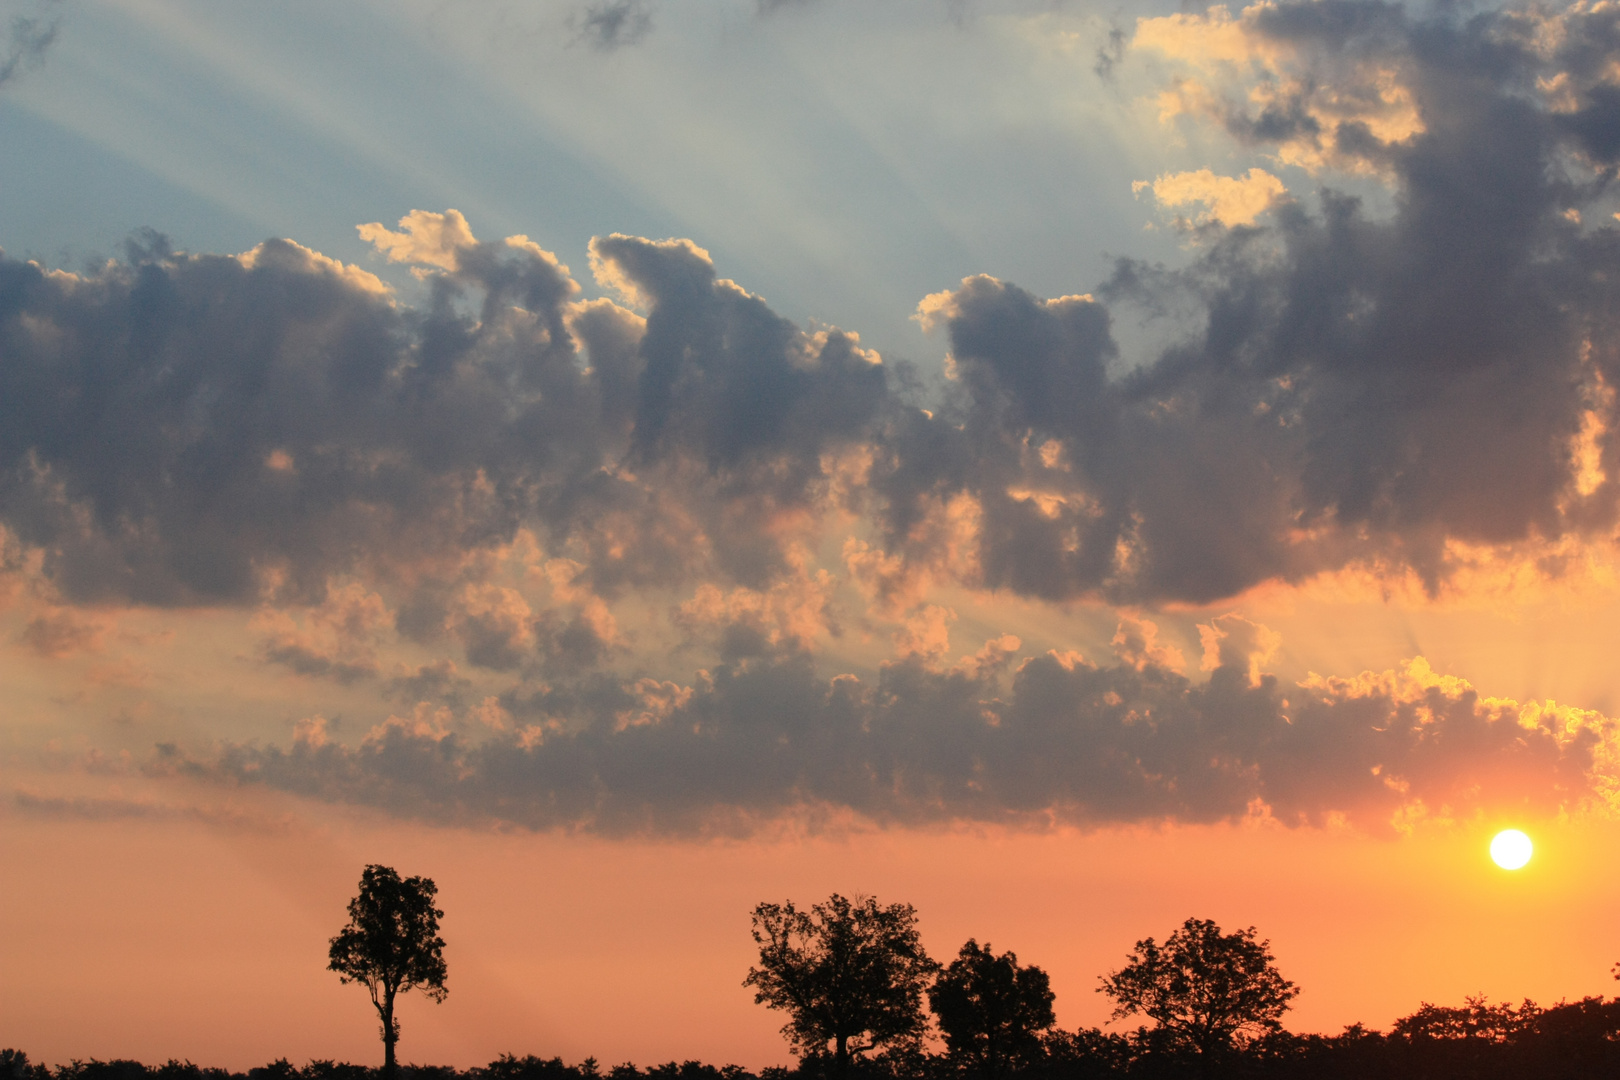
<point>505,471</point>
<point>1063,741</point>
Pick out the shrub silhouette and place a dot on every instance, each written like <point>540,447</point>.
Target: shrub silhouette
<point>529,1067</point>
<point>117,1069</point>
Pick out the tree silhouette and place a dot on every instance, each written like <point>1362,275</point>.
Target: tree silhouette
<point>1204,989</point>
<point>847,972</point>
<point>392,945</point>
<point>1476,1019</point>
<point>992,1010</point>
<point>14,1065</point>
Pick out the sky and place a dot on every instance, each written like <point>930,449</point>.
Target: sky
<point>1069,467</point>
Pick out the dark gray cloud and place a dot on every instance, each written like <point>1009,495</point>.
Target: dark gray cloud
<point>737,399</point>
<point>182,429</point>
<point>610,24</point>
<point>84,808</point>
<point>304,660</point>
<point>1111,52</point>
<point>1065,741</point>
<point>61,632</point>
<point>29,28</point>
<point>438,681</point>
<point>176,425</point>
<point>89,808</point>
<point>1362,388</point>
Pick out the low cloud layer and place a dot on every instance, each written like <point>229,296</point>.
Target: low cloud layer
<point>505,486</point>
<point>1059,741</point>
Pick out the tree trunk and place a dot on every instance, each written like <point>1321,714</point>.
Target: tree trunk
<point>390,1037</point>
<point>840,1056</point>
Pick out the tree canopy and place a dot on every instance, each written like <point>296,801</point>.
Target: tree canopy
<point>848,972</point>
<point>392,945</point>
<point>991,1009</point>
<point>1206,990</point>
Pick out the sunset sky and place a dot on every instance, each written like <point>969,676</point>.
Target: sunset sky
<point>1067,466</point>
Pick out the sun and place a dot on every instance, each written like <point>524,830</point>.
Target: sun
<point>1511,849</point>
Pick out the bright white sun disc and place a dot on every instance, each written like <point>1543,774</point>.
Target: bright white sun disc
<point>1511,849</point>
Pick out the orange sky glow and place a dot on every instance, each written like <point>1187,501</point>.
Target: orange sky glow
<point>1208,505</point>
<point>177,939</point>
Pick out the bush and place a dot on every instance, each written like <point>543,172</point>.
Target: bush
<point>334,1070</point>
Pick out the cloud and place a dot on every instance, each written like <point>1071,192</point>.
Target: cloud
<point>428,238</point>
<point>1062,740</point>
<point>439,680</point>
<point>293,256</point>
<point>57,632</point>
<point>926,634</point>
<point>1229,200</point>
<point>504,489</point>
<point>31,28</point>
<point>795,613</point>
<point>1375,392</point>
<point>1111,52</point>
<point>186,429</point>
<point>1327,85</point>
<point>336,639</point>
<point>87,808</point>
<point>1363,393</point>
<point>1136,642</point>
<point>610,24</point>
<point>96,809</point>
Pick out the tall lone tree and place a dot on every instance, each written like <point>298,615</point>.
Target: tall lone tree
<point>392,945</point>
<point>847,972</point>
<point>1206,990</point>
<point>992,1010</point>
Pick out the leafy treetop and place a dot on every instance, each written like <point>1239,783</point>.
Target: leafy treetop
<point>1206,990</point>
<point>847,972</point>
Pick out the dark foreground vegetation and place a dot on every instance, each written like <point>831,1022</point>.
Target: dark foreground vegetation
<point>1577,1040</point>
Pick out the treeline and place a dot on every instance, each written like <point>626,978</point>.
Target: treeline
<point>15,1065</point>
<point>863,1000</point>
<point>1479,1040</point>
